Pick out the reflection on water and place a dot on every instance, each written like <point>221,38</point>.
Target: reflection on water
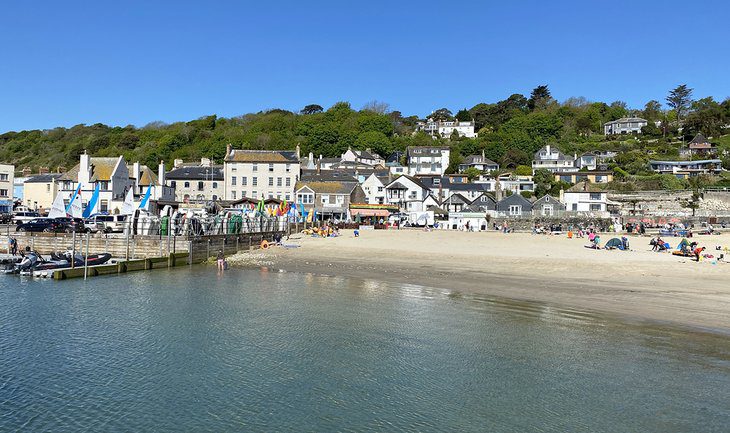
<point>263,350</point>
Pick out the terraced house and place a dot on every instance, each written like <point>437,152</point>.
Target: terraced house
<point>260,173</point>
<point>330,199</point>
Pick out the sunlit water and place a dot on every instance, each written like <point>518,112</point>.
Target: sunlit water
<point>189,350</point>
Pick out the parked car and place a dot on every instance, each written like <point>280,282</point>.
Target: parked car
<point>110,223</point>
<point>47,225</point>
<point>72,224</point>
<point>25,216</point>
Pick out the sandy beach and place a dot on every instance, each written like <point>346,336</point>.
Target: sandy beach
<point>640,284</point>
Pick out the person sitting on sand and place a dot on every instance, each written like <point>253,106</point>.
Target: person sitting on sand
<point>221,260</point>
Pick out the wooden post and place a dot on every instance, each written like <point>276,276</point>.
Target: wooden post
<point>73,249</point>
<point>190,253</point>
<point>86,259</point>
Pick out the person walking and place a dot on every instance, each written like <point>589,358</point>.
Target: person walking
<point>221,260</point>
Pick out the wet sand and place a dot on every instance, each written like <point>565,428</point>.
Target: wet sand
<point>639,283</point>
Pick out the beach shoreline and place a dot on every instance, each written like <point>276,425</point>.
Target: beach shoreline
<point>637,284</point>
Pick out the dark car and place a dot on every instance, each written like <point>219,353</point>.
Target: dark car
<point>6,218</point>
<point>47,225</point>
<point>72,224</point>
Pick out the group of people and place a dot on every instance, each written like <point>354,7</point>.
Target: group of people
<point>326,231</point>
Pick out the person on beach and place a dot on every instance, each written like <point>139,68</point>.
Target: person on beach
<point>221,260</point>
<point>698,252</point>
<point>13,246</point>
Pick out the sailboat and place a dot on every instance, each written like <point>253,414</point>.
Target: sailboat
<point>74,206</point>
<point>92,206</point>
<point>128,205</point>
<point>58,208</point>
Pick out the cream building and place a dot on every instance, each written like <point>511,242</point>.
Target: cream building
<point>260,173</point>
<point>195,182</point>
<point>40,190</point>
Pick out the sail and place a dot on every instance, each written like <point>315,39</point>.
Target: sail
<point>74,206</point>
<point>91,207</point>
<point>128,205</point>
<point>145,203</point>
<point>58,208</point>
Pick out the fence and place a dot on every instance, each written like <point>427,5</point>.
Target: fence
<point>199,241</point>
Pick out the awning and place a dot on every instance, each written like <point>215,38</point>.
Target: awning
<point>369,212</point>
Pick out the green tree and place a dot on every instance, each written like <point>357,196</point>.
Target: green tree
<point>442,114</point>
<point>463,115</point>
<point>472,173</point>
<point>679,99</point>
<point>544,180</point>
<point>540,98</point>
<point>376,141</point>
<point>312,109</point>
<point>652,111</point>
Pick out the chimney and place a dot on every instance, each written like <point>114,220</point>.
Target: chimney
<point>299,151</point>
<point>177,163</point>
<point>562,195</point>
<point>483,158</point>
<point>228,150</point>
<point>42,170</point>
<point>161,173</point>
<point>84,168</point>
<point>205,162</point>
<point>547,147</point>
<point>27,171</point>
<point>135,172</point>
<point>60,169</point>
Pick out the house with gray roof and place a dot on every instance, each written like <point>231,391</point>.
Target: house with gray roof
<point>408,193</point>
<point>547,206</point>
<point>624,125</point>
<point>480,162</point>
<point>514,206</point>
<point>552,159</point>
<point>201,182</point>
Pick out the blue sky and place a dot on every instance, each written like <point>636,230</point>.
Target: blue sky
<point>131,62</point>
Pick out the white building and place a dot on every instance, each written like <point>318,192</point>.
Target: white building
<point>480,162</point>
<point>585,197</point>
<point>7,187</point>
<point>427,160</point>
<point>507,182</point>
<point>408,193</point>
<point>553,159</point>
<point>260,173</point>
<point>446,128</point>
<point>366,156</point>
<point>624,125</point>
<point>374,189</point>
<point>111,174</point>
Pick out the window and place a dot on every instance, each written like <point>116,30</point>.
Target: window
<point>48,187</point>
<point>288,181</point>
<point>3,192</point>
<point>547,210</point>
<point>187,184</point>
<point>200,186</point>
<point>104,186</point>
<point>271,168</point>
<point>381,188</point>
<point>595,207</point>
<point>436,181</point>
<point>215,186</point>
<point>172,184</point>
<point>305,198</point>
<point>278,181</point>
<point>233,180</point>
<point>104,206</point>
<point>286,197</point>
<point>271,181</point>
<point>233,195</point>
<point>325,199</point>
<point>255,167</point>
<point>515,209</point>
<point>244,181</point>
<point>288,168</point>
<point>254,181</point>
<point>575,207</point>
<point>233,168</point>
<point>254,194</point>
<point>271,195</point>
<point>595,196</point>
<point>3,176</point>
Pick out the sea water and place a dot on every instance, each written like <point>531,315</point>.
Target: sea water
<point>190,349</point>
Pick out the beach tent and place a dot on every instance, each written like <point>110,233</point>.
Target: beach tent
<point>614,243</point>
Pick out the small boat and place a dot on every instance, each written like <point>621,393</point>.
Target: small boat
<point>33,262</point>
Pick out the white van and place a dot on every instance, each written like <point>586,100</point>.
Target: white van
<point>24,217</point>
<point>107,223</point>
